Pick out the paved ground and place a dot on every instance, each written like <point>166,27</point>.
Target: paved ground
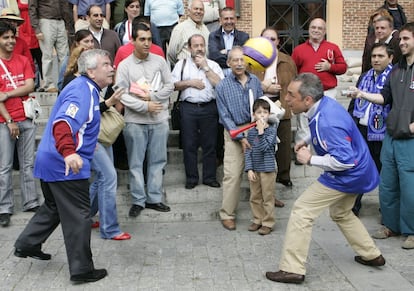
<point>204,256</point>
<point>188,249</point>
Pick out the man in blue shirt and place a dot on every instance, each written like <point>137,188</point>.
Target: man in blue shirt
<point>235,96</point>
<point>343,154</point>
<point>63,167</point>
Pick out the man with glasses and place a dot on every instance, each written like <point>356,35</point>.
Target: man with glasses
<point>322,58</point>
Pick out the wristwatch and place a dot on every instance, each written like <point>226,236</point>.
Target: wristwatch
<point>9,121</point>
<point>273,81</point>
<point>206,69</point>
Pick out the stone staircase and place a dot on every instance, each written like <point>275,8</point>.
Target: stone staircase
<point>199,204</point>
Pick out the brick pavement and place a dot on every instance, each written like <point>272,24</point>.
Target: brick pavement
<point>201,255</point>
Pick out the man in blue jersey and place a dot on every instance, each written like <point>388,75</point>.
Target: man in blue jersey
<point>63,167</point>
<point>342,153</point>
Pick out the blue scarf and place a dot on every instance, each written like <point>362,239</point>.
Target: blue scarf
<point>377,113</point>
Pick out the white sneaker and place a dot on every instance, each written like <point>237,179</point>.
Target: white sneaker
<point>408,243</point>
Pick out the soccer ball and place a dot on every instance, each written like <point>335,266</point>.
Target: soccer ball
<point>259,53</point>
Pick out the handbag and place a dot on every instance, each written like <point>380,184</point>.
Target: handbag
<point>31,106</point>
<point>175,111</point>
<point>112,123</point>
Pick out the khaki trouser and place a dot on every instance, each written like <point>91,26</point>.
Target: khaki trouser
<point>233,166</point>
<point>304,212</point>
<point>262,199</point>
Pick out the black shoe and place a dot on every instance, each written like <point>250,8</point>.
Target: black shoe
<point>4,219</point>
<point>285,277</point>
<point>287,183</point>
<point>376,262</point>
<point>33,209</point>
<point>35,254</point>
<point>135,210</point>
<point>190,185</point>
<point>158,207</point>
<point>297,163</point>
<point>213,184</point>
<point>92,276</point>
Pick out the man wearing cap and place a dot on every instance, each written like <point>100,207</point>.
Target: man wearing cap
<point>16,130</point>
<point>9,15</point>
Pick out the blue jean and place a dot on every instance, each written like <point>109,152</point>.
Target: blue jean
<point>102,191</point>
<point>25,151</point>
<point>149,140</point>
<point>397,184</point>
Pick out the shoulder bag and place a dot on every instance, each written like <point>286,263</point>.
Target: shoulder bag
<point>175,111</point>
<point>112,123</point>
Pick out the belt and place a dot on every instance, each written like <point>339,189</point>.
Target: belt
<point>83,17</point>
<point>201,104</point>
<point>209,22</point>
<point>163,26</point>
<point>275,98</point>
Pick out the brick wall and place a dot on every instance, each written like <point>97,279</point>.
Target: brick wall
<point>244,21</point>
<point>356,17</point>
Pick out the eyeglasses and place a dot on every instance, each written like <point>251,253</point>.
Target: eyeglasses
<point>98,14</point>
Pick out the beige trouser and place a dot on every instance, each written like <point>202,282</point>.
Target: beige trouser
<point>304,212</point>
<point>233,167</point>
<point>262,199</point>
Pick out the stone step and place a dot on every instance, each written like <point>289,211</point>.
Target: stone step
<point>199,204</point>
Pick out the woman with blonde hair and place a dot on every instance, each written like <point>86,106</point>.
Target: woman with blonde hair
<point>83,39</point>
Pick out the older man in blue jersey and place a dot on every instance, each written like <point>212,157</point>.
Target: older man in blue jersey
<point>63,166</point>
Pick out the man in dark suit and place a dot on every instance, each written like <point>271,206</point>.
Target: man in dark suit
<point>220,42</point>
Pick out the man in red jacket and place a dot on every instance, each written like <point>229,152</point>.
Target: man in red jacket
<point>322,58</point>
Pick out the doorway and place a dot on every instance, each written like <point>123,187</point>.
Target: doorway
<point>292,18</point>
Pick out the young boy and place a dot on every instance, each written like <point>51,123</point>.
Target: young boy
<point>260,166</point>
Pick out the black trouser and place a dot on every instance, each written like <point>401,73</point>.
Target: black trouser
<point>199,128</point>
<point>375,151</point>
<point>66,203</point>
<point>165,34</point>
<point>284,149</point>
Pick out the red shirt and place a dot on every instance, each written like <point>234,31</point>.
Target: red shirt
<point>127,49</point>
<point>305,58</point>
<point>22,49</point>
<point>20,70</point>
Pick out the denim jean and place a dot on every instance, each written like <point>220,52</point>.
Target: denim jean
<point>25,151</point>
<point>149,140</point>
<point>102,191</point>
<point>396,184</point>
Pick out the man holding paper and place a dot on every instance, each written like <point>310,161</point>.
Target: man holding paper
<point>147,80</point>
